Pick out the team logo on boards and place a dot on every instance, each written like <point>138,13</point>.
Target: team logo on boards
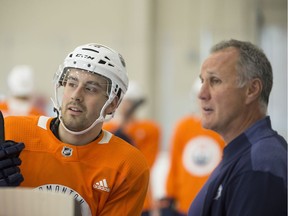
<point>66,151</point>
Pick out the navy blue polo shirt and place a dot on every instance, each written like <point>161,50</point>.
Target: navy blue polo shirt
<point>250,180</point>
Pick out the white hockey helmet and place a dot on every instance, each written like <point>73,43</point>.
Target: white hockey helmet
<point>101,60</point>
<point>21,81</point>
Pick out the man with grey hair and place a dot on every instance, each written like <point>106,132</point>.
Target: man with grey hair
<point>251,179</point>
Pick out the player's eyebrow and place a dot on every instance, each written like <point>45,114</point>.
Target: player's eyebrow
<point>101,85</point>
<point>209,73</point>
<point>70,77</point>
<point>92,82</point>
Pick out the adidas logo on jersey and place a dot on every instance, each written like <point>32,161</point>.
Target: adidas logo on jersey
<point>102,185</point>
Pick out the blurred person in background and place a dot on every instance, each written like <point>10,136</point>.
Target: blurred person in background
<point>143,133</point>
<point>194,153</point>
<point>20,99</point>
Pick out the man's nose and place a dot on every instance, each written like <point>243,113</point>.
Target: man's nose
<point>204,91</point>
<point>77,94</point>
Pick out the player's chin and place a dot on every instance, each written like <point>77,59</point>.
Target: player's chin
<point>72,123</point>
<point>75,127</point>
<point>206,123</point>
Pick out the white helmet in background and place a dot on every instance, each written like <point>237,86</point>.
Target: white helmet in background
<point>134,91</point>
<point>97,59</point>
<point>21,81</point>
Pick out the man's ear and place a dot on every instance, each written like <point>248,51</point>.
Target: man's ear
<point>254,90</point>
<point>112,106</point>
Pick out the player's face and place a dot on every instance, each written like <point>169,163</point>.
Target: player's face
<point>222,101</point>
<point>83,98</point>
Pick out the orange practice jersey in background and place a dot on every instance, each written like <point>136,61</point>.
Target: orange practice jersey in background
<point>146,135</point>
<point>107,176</point>
<point>6,111</point>
<point>194,153</point>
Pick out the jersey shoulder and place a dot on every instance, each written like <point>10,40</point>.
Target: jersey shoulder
<point>20,128</point>
<point>123,151</point>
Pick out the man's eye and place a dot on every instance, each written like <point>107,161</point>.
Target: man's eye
<point>215,81</point>
<point>92,88</point>
<point>71,84</point>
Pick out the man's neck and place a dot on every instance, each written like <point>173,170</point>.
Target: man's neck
<point>81,139</point>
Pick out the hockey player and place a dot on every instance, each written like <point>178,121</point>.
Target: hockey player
<point>71,153</point>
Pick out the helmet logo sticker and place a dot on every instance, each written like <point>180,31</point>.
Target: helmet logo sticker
<point>85,56</point>
<point>66,151</point>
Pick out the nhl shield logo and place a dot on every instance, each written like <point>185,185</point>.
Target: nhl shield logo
<point>66,151</point>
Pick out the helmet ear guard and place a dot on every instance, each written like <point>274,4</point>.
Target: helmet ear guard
<point>114,104</point>
<point>100,60</point>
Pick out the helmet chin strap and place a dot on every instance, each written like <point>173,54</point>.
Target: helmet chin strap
<point>100,119</point>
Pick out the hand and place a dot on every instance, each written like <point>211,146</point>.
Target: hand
<point>10,149</point>
<point>9,161</point>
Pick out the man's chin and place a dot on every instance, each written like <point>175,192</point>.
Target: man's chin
<point>72,126</point>
<point>206,124</point>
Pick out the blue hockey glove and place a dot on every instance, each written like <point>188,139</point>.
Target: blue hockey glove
<point>10,149</point>
<point>9,161</point>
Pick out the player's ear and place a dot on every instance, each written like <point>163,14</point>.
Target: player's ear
<point>254,90</point>
<point>112,106</point>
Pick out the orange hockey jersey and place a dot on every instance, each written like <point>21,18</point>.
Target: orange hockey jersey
<point>146,136</point>
<point>194,153</point>
<point>107,177</point>
<point>4,107</point>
